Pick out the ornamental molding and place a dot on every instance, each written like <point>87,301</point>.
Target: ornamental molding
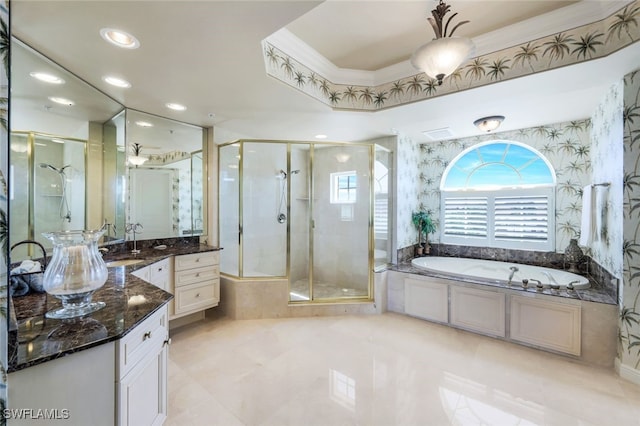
<point>536,45</point>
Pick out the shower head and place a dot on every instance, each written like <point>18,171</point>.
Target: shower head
<point>282,174</point>
<point>55,169</point>
<point>49,166</point>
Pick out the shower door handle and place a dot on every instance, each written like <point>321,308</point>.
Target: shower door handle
<point>239,233</point>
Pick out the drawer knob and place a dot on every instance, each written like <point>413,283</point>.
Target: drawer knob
<point>197,259</point>
<point>167,342</point>
<point>147,335</point>
<point>159,269</point>
<point>197,294</point>
<point>197,274</point>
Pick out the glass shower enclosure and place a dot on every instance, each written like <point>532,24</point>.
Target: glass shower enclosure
<point>48,187</point>
<point>301,211</point>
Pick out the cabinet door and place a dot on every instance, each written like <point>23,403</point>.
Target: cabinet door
<point>547,324</point>
<point>478,310</point>
<point>142,393</point>
<point>426,299</point>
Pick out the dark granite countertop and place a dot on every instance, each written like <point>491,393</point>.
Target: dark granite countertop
<point>596,293</point>
<point>129,301</point>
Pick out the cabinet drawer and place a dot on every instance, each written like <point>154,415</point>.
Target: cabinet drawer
<point>197,275</point>
<point>160,270</point>
<point>195,297</point>
<point>196,260</point>
<point>147,338</point>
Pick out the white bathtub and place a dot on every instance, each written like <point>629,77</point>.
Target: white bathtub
<point>499,271</point>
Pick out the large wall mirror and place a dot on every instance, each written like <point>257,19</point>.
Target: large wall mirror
<point>71,163</point>
<point>64,167</point>
<point>166,175</point>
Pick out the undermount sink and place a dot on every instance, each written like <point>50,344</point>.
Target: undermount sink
<point>123,262</point>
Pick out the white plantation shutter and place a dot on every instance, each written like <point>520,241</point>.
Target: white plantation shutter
<point>465,216</point>
<point>522,218</point>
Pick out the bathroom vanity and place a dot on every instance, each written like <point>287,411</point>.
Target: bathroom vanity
<point>109,367</point>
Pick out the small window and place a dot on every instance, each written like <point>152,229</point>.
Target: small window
<point>343,187</point>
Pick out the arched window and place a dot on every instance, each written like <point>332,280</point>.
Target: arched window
<point>499,194</point>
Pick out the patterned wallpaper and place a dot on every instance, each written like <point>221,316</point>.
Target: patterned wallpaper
<point>4,167</point>
<point>566,146</point>
<point>606,162</point>
<point>629,354</point>
<point>408,186</point>
<point>594,40</point>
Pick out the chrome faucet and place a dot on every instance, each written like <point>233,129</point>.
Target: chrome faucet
<point>539,285</point>
<point>513,270</point>
<point>133,228</point>
<point>570,285</point>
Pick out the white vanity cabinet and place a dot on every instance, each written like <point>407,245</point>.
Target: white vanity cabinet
<point>141,371</point>
<point>80,386</point>
<point>158,274</point>
<point>196,283</point>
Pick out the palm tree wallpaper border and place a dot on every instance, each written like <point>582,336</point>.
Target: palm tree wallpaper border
<point>591,41</point>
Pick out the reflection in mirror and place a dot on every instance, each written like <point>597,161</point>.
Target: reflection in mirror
<point>166,177</point>
<point>56,168</point>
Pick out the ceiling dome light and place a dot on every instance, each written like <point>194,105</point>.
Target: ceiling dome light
<point>115,81</point>
<point>445,53</point>
<point>488,124</point>
<point>47,78</point>
<point>144,124</point>
<point>176,107</point>
<point>120,38</point>
<point>321,136</point>
<point>62,101</point>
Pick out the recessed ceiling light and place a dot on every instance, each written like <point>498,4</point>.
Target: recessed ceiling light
<point>115,81</point>
<point>62,101</point>
<point>120,38</point>
<point>144,124</point>
<point>56,140</point>
<point>321,136</point>
<point>176,107</point>
<point>47,78</point>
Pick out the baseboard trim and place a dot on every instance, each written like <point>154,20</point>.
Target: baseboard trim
<point>627,373</point>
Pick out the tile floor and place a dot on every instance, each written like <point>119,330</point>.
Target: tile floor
<point>380,370</point>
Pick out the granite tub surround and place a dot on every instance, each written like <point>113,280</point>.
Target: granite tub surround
<point>129,301</point>
<point>596,293</point>
<point>604,286</point>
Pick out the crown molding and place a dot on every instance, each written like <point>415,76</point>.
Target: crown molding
<point>566,18</point>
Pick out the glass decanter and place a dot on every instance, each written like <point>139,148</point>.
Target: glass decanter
<point>75,271</point>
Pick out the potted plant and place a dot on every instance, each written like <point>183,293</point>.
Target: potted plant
<point>424,225</point>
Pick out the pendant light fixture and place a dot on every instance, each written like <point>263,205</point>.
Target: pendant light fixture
<point>136,159</point>
<point>443,55</point>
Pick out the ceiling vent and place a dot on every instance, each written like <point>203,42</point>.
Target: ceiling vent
<point>439,134</point>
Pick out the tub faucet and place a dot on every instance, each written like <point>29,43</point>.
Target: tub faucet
<point>570,285</point>
<point>513,270</point>
<point>539,285</point>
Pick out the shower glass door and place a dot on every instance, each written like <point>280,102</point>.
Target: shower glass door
<point>265,217</point>
<point>341,221</point>
<point>299,224</point>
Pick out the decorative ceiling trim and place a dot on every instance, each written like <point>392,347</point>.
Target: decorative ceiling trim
<point>568,47</point>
